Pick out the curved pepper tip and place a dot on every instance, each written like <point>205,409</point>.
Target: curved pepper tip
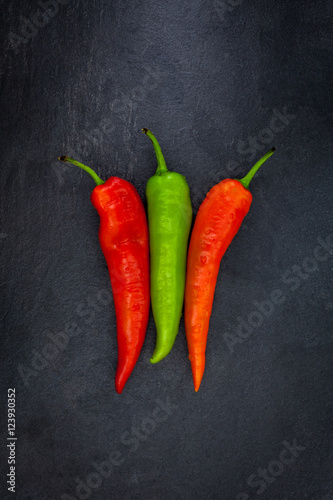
<point>198,368</point>
<point>159,355</point>
<point>121,378</point>
<point>197,377</point>
<point>156,359</point>
<point>119,389</point>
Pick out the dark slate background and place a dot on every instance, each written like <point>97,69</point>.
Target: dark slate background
<point>219,83</point>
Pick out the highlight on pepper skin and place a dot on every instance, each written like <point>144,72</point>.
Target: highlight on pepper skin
<point>123,237</point>
<point>217,222</point>
<point>123,220</point>
<point>169,220</point>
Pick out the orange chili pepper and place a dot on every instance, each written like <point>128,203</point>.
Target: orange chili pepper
<point>218,220</point>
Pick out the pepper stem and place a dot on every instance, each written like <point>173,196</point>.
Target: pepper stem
<point>68,159</point>
<point>161,165</point>
<point>247,179</point>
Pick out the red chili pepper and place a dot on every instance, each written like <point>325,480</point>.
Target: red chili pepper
<point>217,222</point>
<point>123,236</point>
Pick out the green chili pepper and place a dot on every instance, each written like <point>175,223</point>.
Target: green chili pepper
<point>169,221</point>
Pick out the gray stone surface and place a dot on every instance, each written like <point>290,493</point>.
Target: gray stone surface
<point>219,83</point>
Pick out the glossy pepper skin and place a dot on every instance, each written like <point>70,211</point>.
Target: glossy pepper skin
<point>123,236</point>
<point>218,220</point>
<point>169,221</point>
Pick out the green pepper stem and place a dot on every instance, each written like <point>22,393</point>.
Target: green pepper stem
<point>247,179</point>
<point>161,165</point>
<point>68,159</point>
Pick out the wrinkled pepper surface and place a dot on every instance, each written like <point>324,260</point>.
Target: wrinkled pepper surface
<point>218,220</point>
<point>123,236</point>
